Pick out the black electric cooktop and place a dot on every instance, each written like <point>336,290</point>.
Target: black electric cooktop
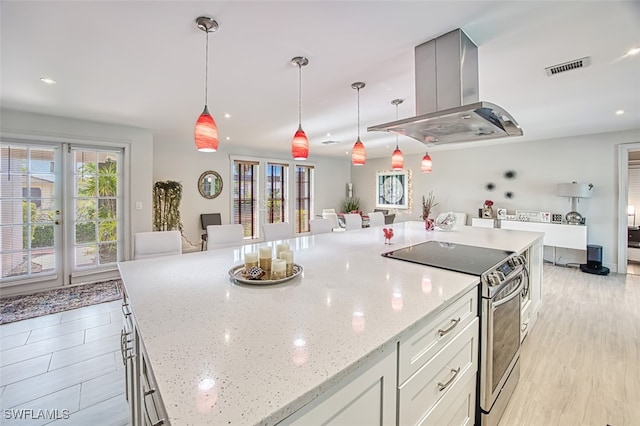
<point>454,257</point>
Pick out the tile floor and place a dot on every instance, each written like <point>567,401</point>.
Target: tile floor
<point>65,361</point>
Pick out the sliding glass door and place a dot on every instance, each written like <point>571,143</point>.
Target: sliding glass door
<point>61,210</point>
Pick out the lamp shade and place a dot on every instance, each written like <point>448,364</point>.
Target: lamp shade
<point>631,210</point>
<point>426,165</point>
<point>300,145</point>
<point>574,189</point>
<point>397,160</point>
<point>206,133</point>
<point>358,154</point>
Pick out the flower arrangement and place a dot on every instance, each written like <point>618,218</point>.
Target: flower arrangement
<point>488,203</point>
<point>427,204</point>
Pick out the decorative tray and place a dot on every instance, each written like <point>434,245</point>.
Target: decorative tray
<point>238,274</point>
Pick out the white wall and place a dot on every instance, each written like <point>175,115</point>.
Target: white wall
<point>459,177</point>
<point>176,158</point>
<point>37,127</point>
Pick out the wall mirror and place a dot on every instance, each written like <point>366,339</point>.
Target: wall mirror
<point>210,184</point>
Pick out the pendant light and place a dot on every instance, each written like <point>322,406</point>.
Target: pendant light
<point>300,143</point>
<point>426,164</point>
<point>206,133</point>
<point>397,159</point>
<point>358,154</point>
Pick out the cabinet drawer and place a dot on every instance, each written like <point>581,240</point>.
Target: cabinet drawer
<point>152,410</point>
<point>457,407</point>
<point>443,375</point>
<point>425,342</point>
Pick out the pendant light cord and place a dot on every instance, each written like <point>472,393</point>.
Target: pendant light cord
<point>358,113</point>
<point>299,95</point>
<point>206,69</point>
<point>397,120</point>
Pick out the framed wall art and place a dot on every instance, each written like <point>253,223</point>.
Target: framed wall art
<point>392,189</point>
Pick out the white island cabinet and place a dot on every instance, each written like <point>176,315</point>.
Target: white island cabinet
<point>356,339</point>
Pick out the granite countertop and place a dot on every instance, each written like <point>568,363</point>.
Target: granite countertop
<point>229,354</point>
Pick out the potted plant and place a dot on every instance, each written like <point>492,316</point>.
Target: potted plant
<point>428,203</point>
<point>166,206</point>
<point>350,204</point>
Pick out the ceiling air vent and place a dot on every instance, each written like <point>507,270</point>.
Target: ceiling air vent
<point>568,66</point>
<point>329,142</point>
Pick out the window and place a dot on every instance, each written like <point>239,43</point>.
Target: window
<point>304,191</point>
<point>245,205</point>
<point>275,192</point>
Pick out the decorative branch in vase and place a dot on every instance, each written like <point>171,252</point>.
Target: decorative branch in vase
<point>428,203</point>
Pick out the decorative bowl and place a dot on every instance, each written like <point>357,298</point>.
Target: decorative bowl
<point>446,221</point>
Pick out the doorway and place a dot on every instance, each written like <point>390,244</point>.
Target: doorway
<point>628,208</point>
<point>61,211</point>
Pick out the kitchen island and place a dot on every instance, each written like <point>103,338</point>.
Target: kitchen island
<point>213,352</point>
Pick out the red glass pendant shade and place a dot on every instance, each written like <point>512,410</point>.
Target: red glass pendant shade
<point>300,145</point>
<point>206,133</point>
<point>397,160</point>
<point>426,165</point>
<point>358,154</point>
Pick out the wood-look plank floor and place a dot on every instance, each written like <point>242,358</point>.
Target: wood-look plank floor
<point>580,365</point>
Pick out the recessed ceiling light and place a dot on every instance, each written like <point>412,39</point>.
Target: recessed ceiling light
<point>47,80</point>
<point>227,115</point>
<point>633,51</point>
<point>328,134</point>
<point>228,138</point>
<point>620,112</point>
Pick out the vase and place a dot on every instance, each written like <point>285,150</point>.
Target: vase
<point>429,224</point>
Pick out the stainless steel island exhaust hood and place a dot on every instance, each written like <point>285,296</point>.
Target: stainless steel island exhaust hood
<point>447,100</point>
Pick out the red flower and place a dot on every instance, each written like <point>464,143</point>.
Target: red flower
<point>488,203</point>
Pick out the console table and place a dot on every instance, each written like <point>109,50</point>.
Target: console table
<point>555,234</point>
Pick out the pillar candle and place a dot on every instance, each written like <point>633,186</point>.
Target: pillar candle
<point>250,260</point>
<point>280,248</point>
<point>287,256</point>
<point>265,258</point>
<point>278,269</point>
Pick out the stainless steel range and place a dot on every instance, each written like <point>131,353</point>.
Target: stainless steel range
<point>503,278</point>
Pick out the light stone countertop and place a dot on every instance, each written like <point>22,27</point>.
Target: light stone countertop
<point>229,354</point>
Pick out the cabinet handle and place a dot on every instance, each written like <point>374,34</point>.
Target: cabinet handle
<point>122,346</point>
<point>125,310</point>
<point>454,322</point>
<point>443,386</point>
<point>524,326</point>
<point>146,410</point>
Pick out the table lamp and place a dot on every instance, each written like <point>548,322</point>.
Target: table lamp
<point>574,191</point>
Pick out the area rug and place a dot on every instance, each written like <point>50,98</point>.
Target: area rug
<point>16,308</point>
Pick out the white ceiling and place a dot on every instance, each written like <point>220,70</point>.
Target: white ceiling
<point>142,64</point>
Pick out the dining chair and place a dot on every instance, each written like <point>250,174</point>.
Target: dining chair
<point>461,220</point>
<point>224,235</point>
<point>376,218</point>
<point>276,231</point>
<point>333,218</point>
<point>352,221</point>
<point>328,210</point>
<point>388,219</point>
<point>320,226</point>
<point>156,244</point>
<point>207,219</point>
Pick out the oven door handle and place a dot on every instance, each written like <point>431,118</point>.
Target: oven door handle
<point>508,298</point>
